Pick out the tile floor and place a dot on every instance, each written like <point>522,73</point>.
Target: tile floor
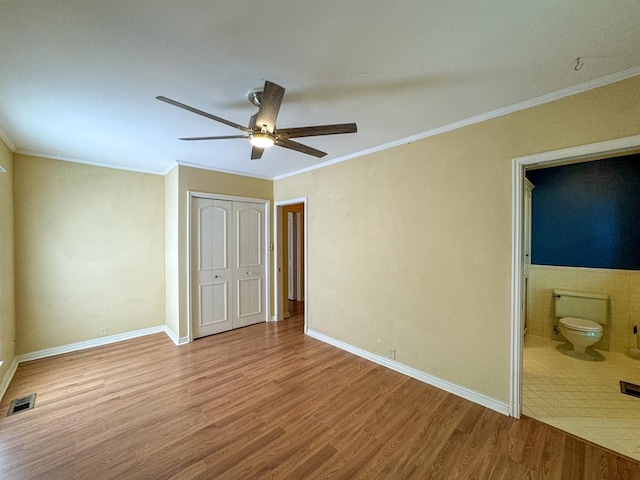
<point>582,397</point>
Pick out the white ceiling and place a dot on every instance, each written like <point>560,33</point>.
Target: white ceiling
<point>78,79</point>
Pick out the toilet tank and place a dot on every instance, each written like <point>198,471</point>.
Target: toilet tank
<point>592,306</point>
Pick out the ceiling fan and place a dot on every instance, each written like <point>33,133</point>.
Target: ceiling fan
<point>262,131</point>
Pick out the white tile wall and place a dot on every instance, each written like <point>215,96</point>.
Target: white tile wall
<point>622,286</point>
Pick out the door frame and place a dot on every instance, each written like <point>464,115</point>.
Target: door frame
<point>299,293</point>
<point>278,254</point>
<point>267,250</point>
<point>294,253</point>
<point>291,254</point>
<point>582,153</point>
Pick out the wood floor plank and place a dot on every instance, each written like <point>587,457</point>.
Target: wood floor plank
<point>552,454</point>
<point>266,401</point>
<point>533,450</point>
<point>440,428</point>
<point>573,459</point>
<point>398,452</point>
<point>481,443</point>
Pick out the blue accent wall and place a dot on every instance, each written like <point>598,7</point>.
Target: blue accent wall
<point>587,214</point>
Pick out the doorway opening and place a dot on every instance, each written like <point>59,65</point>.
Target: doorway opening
<point>520,269</point>
<point>582,153</point>
<point>290,221</point>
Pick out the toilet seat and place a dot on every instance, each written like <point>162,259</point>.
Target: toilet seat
<point>580,324</point>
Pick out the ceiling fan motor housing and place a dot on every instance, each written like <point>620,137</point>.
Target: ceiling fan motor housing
<point>254,96</point>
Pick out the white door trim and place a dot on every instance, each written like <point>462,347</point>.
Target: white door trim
<point>278,281</point>
<point>299,295</point>
<point>610,148</point>
<point>267,252</point>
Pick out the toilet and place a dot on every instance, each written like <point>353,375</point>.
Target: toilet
<point>581,316</point>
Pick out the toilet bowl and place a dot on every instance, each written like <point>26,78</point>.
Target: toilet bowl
<point>581,317</point>
<point>580,332</point>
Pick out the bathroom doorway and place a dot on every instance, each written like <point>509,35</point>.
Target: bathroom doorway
<point>545,385</point>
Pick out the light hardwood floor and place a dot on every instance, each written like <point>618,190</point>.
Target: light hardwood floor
<point>266,402</point>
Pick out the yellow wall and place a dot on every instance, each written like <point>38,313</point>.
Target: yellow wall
<point>204,181</point>
<point>7,306</point>
<point>101,247</point>
<point>89,252</point>
<point>411,247</point>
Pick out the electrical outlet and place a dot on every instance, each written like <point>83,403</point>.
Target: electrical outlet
<point>103,331</point>
<point>392,353</point>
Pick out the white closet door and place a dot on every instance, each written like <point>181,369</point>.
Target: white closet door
<point>212,249</point>
<point>249,264</point>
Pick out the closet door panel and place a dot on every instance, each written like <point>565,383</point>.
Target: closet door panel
<point>249,267</point>
<point>211,302</point>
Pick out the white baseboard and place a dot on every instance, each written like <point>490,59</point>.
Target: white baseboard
<point>7,377</point>
<point>479,398</point>
<point>96,342</point>
<point>74,347</point>
<point>174,338</point>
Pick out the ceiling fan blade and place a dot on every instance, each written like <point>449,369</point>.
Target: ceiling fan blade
<point>252,120</point>
<point>204,114</point>
<point>224,137</point>
<point>317,130</point>
<point>298,147</point>
<point>256,152</point>
<point>269,105</point>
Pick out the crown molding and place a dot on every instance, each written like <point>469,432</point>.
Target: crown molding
<point>541,100</point>
<point>5,138</point>
<point>534,102</point>
<point>95,164</point>
<point>222,170</point>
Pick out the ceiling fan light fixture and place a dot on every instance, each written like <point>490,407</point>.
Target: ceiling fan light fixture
<point>261,140</point>
<point>261,131</point>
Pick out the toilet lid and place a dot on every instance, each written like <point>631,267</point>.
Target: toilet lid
<point>581,324</point>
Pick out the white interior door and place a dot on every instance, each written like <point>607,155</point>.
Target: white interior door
<point>211,269</point>
<point>249,264</point>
